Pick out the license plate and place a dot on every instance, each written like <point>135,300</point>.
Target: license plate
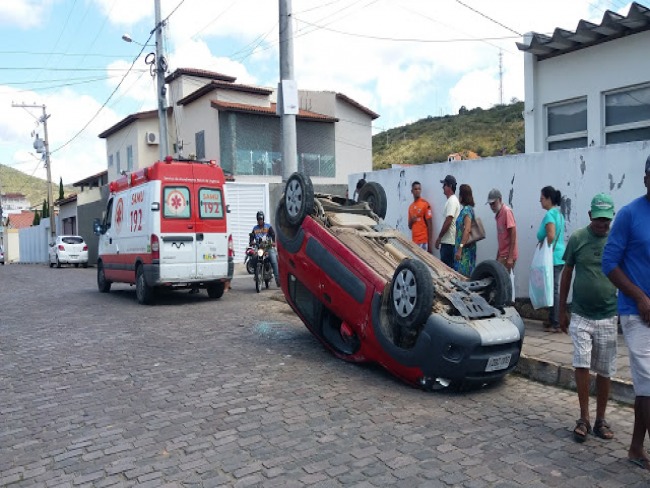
<point>495,363</point>
<point>73,256</point>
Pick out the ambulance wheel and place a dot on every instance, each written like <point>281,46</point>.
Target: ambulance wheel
<point>298,198</point>
<point>215,290</point>
<point>102,283</point>
<point>143,292</point>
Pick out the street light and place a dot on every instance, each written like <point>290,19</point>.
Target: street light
<point>127,38</point>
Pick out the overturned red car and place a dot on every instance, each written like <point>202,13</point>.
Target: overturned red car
<point>370,295</point>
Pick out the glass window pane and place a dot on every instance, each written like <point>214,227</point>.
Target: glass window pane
<point>177,202</point>
<point>210,205</point>
<point>567,118</point>
<point>628,106</point>
<point>630,135</point>
<point>568,144</point>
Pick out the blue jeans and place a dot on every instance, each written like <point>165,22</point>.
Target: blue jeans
<point>447,252</point>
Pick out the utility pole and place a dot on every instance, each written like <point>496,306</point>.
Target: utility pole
<point>161,67</point>
<point>500,77</point>
<point>45,149</point>
<point>287,93</point>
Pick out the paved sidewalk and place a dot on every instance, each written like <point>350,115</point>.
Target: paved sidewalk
<point>547,357</point>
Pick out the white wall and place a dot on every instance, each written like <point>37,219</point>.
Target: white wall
<point>578,173</point>
<point>199,116</point>
<point>33,243</point>
<point>587,72</point>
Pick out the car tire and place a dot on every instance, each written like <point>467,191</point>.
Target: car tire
<point>84,265</point>
<point>76,265</point>
<point>51,264</point>
<point>58,263</point>
<point>215,290</point>
<point>298,198</point>
<point>143,292</point>
<point>374,195</point>
<point>499,293</point>
<point>103,284</point>
<point>411,294</point>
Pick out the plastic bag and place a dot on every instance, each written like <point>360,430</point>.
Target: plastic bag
<point>540,286</point>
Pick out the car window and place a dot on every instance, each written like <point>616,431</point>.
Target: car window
<point>177,202</point>
<point>72,240</point>
<point>305,301</point>
<point>210,203</point>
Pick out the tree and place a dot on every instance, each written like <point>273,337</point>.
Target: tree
<point>45,210</point>
<point>37,218</point>
<point>61,194</point>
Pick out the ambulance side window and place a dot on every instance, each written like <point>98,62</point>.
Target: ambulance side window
<point>176,202</point>
<point>210,203</point>
<point>109,215</point>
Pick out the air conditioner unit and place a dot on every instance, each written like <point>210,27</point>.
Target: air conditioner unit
<point>152,138</point>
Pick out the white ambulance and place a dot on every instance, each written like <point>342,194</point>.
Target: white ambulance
<point>166,226</point>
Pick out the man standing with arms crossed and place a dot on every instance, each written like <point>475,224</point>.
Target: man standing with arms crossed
<point>420,218</point>
<point>626,262</point>
<point>593,326</point>
<point>447,238</point>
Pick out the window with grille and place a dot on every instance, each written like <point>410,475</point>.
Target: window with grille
<point>129,158</point>
<point>566,125</point>
<point>199,140</point>
<point>627,115</point>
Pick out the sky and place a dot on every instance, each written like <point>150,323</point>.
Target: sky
<point>403,59</point>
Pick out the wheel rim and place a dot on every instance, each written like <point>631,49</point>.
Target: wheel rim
<point>405,292</point>
<point>293,198</point>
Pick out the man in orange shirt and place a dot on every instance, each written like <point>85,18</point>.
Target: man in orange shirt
<point>420,218</point>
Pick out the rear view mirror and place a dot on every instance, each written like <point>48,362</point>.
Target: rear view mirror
<point>155,206</point>
<point>227,208</point>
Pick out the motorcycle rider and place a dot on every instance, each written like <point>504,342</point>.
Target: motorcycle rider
<point>263,230</point>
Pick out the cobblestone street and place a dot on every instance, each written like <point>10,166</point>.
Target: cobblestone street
<point>96,390</point>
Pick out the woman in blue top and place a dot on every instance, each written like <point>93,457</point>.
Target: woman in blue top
<point>465,257</point>
<point>552,230</point>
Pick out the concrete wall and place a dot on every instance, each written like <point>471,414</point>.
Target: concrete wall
<point>584,73</point>
<point>578,173</point>
<point>196,117</point>
<point>12,245</point>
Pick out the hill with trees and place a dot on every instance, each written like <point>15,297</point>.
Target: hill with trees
<point>34,189</point>
<point>493,132</point>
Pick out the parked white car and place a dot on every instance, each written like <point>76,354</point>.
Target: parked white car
<point>69,250</point>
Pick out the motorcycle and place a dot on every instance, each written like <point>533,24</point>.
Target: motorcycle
<point>263,268</point>
<point>249,260</point>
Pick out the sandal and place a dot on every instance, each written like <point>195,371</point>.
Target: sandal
<point>583,427</point>
<point>602,429</point>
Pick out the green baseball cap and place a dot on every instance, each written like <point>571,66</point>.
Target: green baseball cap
<point>602,206</point>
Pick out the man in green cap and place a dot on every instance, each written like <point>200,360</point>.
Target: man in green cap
<point>593,326</point>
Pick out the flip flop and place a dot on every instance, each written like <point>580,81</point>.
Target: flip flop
<point>642,463</point>
<point>582,429</point>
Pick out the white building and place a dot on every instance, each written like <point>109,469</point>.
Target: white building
<point>591,86</point>
<point>212,117</point>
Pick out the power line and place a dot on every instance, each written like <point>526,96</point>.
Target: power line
<point>64,54</point>
<point>488,18</point>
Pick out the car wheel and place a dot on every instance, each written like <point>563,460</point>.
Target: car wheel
<point>84,265</point>
<point>499,292</point>
<point>58,263</point>
<point>298,198</point>
<point>51,263</point>
<point>215,290</point>
<point>76,265</point>
<point>374,195</point>
<point>143,291</point>
<point>258,277</point>
<point>411,294</point>
<point>103,284</point>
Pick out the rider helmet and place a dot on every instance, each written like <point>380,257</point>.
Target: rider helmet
<point>260,215</point>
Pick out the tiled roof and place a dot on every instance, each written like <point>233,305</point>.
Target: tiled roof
<point>612,26</point>
<point>69,199</point>
<point>199,73</point>
<point>149,114</point>
<point>21,220</point>
<point>214,85</point>
<point>270,111</point>
<point>92,180</point>
<point>13,196</point>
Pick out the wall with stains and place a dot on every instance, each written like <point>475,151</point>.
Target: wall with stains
<point>578,173</point>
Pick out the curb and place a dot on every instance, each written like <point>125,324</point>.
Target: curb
<point>555,374</point>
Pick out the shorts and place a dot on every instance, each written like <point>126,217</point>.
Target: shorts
<point>423,245</point>
<point>594,344</point>
<point>637,338</point>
